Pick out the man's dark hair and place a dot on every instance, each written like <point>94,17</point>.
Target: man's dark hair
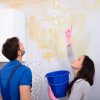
<point>10,48</point>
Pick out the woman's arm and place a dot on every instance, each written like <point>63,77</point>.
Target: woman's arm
<point>69,46</point>
<point>70,53</point>
<point>51,95</point>
<point>70,58</point>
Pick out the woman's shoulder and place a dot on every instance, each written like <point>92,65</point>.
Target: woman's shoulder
<point>82,81</point>
<point>82,84</point>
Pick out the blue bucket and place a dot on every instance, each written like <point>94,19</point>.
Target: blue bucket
<point>58,80</point>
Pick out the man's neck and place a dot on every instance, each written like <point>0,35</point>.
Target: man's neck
<point>19,59</point>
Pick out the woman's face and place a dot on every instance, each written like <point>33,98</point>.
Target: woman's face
<point>77,64</point>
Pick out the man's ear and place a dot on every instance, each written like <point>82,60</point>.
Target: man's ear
<point>19,53</point>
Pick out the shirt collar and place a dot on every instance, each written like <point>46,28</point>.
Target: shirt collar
<point>79,80</point>
<point>12,63</point>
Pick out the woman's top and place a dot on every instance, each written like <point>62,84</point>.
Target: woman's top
<point>80,91</point>
<point>81,88</point>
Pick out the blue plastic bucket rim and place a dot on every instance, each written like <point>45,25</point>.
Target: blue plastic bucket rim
<point>61,83</point>
<point>57,75</point>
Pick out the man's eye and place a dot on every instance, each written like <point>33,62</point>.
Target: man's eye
<point>79,59</point>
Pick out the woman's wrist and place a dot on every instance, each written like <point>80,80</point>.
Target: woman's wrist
<point>68,42</point>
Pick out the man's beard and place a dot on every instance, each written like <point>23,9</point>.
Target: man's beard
<point>22,52</point>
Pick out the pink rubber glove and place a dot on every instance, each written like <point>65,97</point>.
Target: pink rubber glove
<point>68,35</point>
<point>51,95</point>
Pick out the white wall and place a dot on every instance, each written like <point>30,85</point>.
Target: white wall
<point>39,70</point>
<point>94,51</point>
<point>12,23</point>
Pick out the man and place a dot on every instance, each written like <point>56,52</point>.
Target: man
<point>15,78</point>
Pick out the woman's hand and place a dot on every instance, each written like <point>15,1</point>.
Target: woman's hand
<point>51,95</point>
<point>68,35</point>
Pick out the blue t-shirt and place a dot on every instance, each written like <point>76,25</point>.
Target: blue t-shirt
<point>22,76</point>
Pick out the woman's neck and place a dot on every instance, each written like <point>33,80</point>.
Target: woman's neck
<point>76,71</point>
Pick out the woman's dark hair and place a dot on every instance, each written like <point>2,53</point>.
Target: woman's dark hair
<point>86,72</point>
<point>10,48</point>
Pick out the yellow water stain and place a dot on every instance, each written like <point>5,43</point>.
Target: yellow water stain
<point>60,50</point>
<point>98,1</point>
<point>5,1</point>
<point>57,44</point>
<point>16,5</point>
<point>38,34</point>
<point>45,45</point>
<point>34,28</point>
<point>97,4</point>
<point>87,5</point>
<point>48,56</point>
<point>79,45</point>
<point>49,18</point>
<point>78,18</point>
<point>21,3</point>
<point>60,53</point>
<point>53,32</point>
<point>52,18</point>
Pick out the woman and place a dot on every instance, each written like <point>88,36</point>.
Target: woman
<point>79,87</point>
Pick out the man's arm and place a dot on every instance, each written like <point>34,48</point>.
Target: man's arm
<point>0,97</point>
<point>25,85</point>
<point>25,92</point>
<point>0,94</point>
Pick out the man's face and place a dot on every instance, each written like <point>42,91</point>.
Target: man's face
<point>21,48</point>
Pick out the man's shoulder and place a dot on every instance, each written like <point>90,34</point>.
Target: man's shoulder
<point>25,69</point>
